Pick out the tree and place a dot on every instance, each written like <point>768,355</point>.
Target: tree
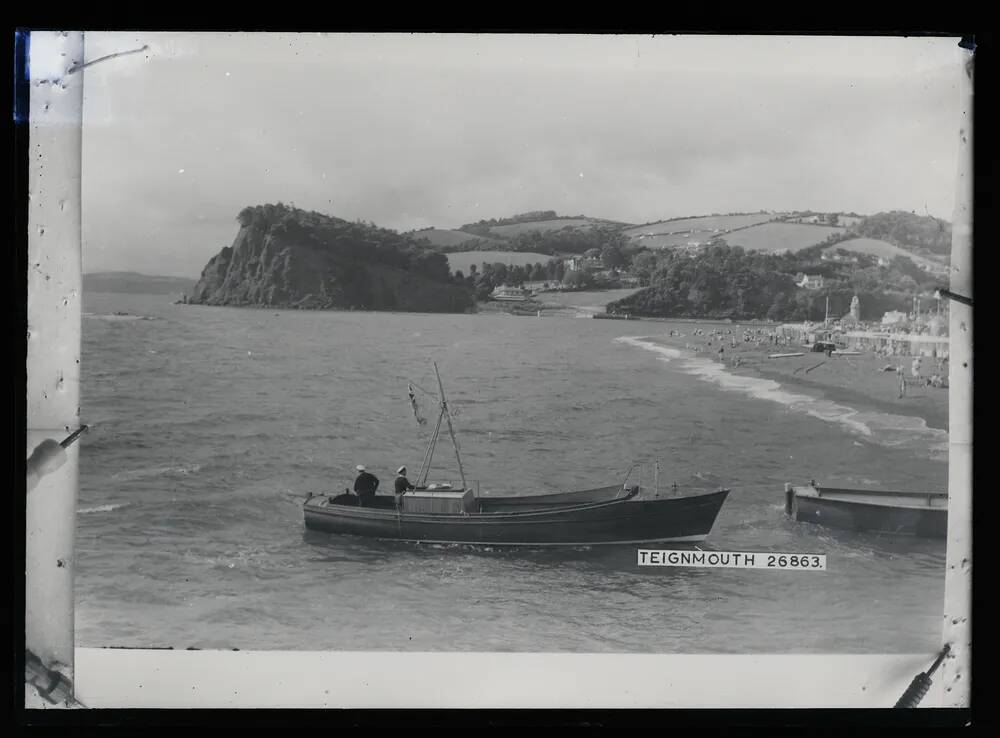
<point>643,265</point>
<point>612,257</point>
<point>578,279</point>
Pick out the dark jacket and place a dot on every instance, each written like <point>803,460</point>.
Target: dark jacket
<point>366,484</point>
<point>402,484</point>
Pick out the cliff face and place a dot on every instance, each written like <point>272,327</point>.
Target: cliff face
<point>283,257</point>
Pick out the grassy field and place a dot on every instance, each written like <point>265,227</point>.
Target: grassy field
<point>706,223</point>
<point>673,240</point>
<point>780,236</point>
<point>462,260</point>
<point>513,229</point>
<point>874,247</point>
<point>442,237</point>
<point>585,299</point>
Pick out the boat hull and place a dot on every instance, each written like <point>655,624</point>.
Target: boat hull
<point>687,519</point>
<point>858,510</point>
<point>514,503</point>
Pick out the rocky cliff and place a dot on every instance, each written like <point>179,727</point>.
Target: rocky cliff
<point>286,257</point>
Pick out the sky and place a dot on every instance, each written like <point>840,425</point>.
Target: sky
<point>417,130</point>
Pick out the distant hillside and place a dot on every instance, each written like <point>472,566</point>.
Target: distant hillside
<point>286,257</point>
<point>464,260</point>
<point>781,236</point>
<point>539,221</point>
<point>135,283</point>
<point>700,224</point>
<point>451,240</point>
<point>920,234</point>
<point>886,250</point>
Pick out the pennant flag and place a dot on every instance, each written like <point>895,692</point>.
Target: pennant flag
<point>413,404</point>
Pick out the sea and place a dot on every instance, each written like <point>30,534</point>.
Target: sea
<point>210,425</point>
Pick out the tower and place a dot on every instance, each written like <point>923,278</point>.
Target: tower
<point>855,308</point>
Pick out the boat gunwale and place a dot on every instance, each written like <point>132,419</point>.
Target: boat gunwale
<point>854,496</point>
<point>871,503</point>
<point>376,513</point>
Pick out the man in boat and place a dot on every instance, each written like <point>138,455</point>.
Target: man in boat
<point>402,485</point>
<point>365,486</point>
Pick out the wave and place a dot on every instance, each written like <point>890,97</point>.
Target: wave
<point>883,428</point>
<point>101,508</point>
<point>117,317</point>
<point>156,472</point>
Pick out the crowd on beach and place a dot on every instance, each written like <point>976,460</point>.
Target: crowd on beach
<point>716,341</point>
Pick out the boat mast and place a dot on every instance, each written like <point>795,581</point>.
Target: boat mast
<point>451,429</point>
<point>425,465</point>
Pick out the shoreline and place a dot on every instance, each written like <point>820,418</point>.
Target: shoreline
<point>855,381</point>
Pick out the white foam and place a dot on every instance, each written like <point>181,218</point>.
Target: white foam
<point>157,471</point>
<point>883,428</point>
<point>100,508</point>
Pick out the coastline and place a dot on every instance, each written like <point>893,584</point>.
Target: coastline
<point>855,381</point>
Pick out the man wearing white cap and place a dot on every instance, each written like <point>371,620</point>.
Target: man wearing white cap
<point>402,485</point>
<point>365,486</point>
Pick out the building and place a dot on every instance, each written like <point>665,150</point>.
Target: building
<point>578,263</point>
<point>509,294</point>
<point>938,270</point>
<point>893,317</point>
<point>810,282</point>
<point>839,258</point>
<point>537,286</point>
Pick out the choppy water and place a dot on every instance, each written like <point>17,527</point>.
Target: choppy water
<point>210,424</point>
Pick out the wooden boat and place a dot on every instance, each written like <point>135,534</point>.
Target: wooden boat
<point>613,514</point>
<point>460,517</point>
<point>923,514</point>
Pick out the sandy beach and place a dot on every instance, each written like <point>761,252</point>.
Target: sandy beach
<point>855,380</point>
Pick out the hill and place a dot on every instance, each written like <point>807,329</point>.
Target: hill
<point>135,283</point>
<point>885,250</point>
<point>286,257</point>
<point>463,260</point>
<point>699,224</point>
<point>724,281</point>
<point>452,240</point>
<point>538,221</point>
<point>920,234</point>
<point>781,236</point>
<point>556,224</point>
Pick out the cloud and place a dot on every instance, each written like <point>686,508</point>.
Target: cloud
<point>411,131</point>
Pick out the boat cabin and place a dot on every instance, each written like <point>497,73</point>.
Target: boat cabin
<point>448,501</point>
<point>441,499</point>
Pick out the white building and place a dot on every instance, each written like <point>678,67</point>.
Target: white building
<point>893,317</point>
<point>810,282</point>
<point>509,294</point>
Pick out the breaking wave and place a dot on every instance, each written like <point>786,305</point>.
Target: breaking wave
<point>883,428</point>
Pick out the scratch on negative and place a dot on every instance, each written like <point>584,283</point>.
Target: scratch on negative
<point>78,67</point>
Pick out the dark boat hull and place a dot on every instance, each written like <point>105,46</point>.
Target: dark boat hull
<point>680,519</point>
<point>869,515</point>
